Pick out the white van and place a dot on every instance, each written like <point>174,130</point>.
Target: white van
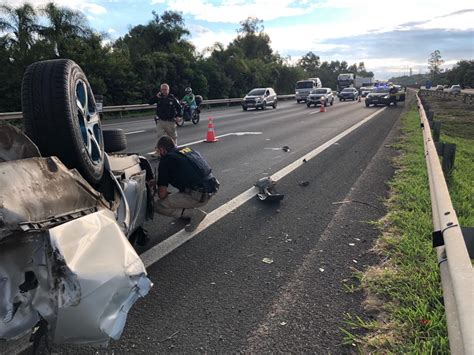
<point>304,87</point>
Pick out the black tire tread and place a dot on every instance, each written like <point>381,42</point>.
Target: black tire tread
<point>115,140</point>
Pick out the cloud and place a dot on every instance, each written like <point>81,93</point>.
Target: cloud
<point>83,6</point>
<point>234,11</point>
<point>111,31</point>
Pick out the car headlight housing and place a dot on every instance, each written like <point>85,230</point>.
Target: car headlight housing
<point>297,93</point>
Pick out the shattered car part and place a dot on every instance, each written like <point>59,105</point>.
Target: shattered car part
<point>65,262</point>
<point>267,190</point>
<point>63,257</point>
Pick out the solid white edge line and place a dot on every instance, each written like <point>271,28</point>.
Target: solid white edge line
<point>162,249</point>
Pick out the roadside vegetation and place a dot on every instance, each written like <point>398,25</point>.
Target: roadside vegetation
<point>404,291</point>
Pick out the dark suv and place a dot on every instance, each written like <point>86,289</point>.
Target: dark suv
<point>260,98</point>
<point>348,94</point>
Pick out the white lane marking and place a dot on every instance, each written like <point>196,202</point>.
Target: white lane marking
<point>222,135</point>
<point>312,113</point>
<point>134,132</point>
<point>162,249</point>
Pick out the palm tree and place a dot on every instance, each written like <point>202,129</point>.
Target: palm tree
<point>63,23</point>
<point>20,25</point>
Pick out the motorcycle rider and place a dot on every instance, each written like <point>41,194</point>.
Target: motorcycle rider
<point>190,101</point>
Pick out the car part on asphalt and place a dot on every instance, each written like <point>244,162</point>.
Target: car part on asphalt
<point>267,190</point>
<point>61,118</point>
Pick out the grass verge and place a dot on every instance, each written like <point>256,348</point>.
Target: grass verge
<point>405,290</point>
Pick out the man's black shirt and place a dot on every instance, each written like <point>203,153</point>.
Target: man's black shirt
<point>167,108</point>
<point>176,170</point>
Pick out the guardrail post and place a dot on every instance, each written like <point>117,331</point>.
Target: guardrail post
<point>449,155</point>
<point>468,234</point>
<point>436,130</point>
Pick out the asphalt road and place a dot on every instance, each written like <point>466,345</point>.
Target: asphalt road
<point>215,293</point>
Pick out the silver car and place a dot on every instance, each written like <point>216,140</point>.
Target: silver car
<point>68,206</point>
<point>322,96</point>
<point>260,98</point>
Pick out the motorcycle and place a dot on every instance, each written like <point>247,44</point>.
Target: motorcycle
<point>194,117</point>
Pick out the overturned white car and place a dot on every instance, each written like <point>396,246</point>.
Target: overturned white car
<point>68,207</point>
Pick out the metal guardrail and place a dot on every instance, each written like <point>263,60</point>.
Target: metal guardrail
<point>141,107</point>
<point>464,97</point>
<point>457,275</point>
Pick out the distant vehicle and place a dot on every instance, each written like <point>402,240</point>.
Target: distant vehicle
<point>363,81</point>
<point>428,85</point>
<point>400,93</point>
<point>344,81</point>
<point>322,96</point>
<point>260,98</point>
<point>348,94</point>
<point>439,88</point>
<point>304,87</point>
<point>379,96</point>
<point>364,91</point>
<point>455,89</point>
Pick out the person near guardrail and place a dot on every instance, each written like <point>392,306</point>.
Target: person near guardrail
<point>185,169</point>
<point>168,110</point>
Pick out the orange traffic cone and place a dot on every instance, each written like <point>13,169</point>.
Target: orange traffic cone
<point>322,107</point>
<point>211,135</point>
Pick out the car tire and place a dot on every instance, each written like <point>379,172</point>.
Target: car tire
<point>297,101</point>
<point>244,108</point>
<point>274,104</point>
<point>340,99</point>
<point>325,104</point>
<point>367,104</point>
<point>115,140</point>
<point>264,105</point>
<point>332,102</point>
<point>308,105</point>
<point>60,116</point>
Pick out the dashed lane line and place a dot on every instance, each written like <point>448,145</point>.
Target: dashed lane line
<point>221,136</point>
<point>162,249</point>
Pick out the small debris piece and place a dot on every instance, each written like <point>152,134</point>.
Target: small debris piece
<point>303,183</point>
<point>283,323</point>
<point>304,160</point>
<point>170,337</point>
<point>354,261</point>
<point>357,239</point>
<point>213,283</point>
<point>351,244</point>
<point>285,148</point>
<point>321,269</point>
<point>267,260</point>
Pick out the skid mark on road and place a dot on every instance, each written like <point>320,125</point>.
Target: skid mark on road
<point>162,249</point>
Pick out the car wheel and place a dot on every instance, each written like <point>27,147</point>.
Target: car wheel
<point>325,104</point>
<point>367,104</point>
<point>264,105</point>
<point>244,108</point>
<point>274,104</point>
<point>297,101</point>
<point>340,99</point>
<point>332,102</point>
<point>308,105</point>
<point>61,117</point>
<point>115,140</point>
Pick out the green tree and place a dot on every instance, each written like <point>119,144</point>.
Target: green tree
<point>434,63</point>
<point>310,63</point>
<point>63,24</point>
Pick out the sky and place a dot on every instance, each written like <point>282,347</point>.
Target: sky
<point>390,37</point>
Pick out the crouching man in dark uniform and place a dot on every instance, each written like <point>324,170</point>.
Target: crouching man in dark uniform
<point>185,169</point>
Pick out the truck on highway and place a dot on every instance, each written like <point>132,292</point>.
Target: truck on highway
<point>361,81</point>
<point>345,80</point>
<point>304,87</point>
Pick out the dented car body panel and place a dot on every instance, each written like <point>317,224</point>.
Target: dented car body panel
<point>64,253</point>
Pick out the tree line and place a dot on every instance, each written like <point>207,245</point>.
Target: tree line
<point>130,69</point>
